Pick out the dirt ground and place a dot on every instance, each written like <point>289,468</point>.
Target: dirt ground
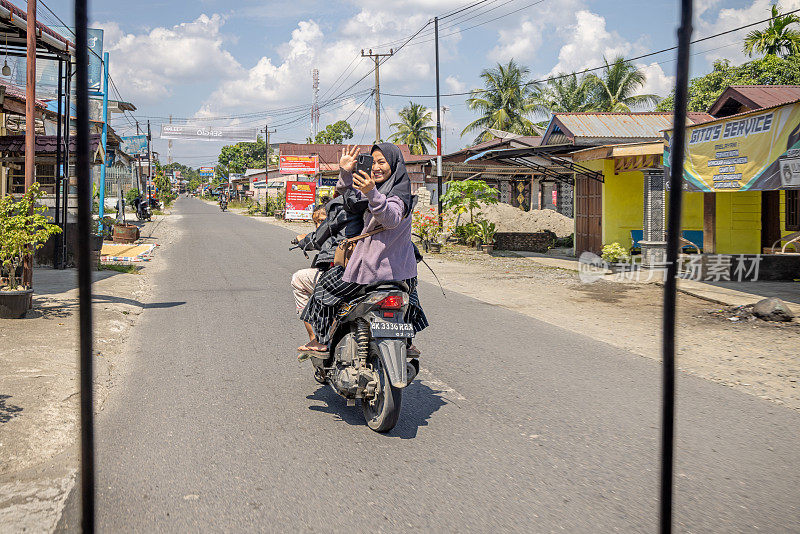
<point>39,383</point>
<point>756,357</point>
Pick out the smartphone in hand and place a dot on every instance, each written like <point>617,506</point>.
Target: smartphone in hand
<point>364,163</point>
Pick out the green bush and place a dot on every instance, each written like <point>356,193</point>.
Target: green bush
<point>614,253</point>
<point>24,228</point>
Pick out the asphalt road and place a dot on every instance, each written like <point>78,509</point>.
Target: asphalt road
<point>515,425</point>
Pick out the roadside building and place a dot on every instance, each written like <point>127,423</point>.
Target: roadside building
<point>608,182</point>
<point>512,181</point>
<point>741,189</point>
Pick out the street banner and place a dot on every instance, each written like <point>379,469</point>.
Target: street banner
<point>300,198</point>
<point>134,145</point>
<point>234,176</point>
<point>756,151</point>
<point>206,172</point>
<point>298,164</point>
<point>203,132</point>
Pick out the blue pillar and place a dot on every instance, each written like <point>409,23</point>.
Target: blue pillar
<point>103,139</point>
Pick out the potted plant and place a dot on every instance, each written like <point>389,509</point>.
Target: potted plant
<point>24,228</point>
<point>426,227</point>
<point>486,232</point>
<point>616,256</point>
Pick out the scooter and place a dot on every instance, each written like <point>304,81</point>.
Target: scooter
<point>143,211</point>
<point>368,359</point>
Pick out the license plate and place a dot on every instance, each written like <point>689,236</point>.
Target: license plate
<point>391,329</point>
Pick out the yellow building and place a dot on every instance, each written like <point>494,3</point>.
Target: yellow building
<point>740,218</point>
<point>742,181</point>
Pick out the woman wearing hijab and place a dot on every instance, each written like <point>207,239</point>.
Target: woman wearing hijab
<point>382,257</point>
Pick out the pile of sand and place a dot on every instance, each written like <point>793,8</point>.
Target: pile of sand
<point>507,218</point>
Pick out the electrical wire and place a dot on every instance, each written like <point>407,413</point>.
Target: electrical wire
<point>629,60</point>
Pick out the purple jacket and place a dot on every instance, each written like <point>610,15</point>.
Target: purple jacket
<point>388,255</point>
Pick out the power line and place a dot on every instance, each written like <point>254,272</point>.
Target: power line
<point>629,60</point>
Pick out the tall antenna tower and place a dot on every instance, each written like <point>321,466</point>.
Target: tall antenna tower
<point>315,105</point>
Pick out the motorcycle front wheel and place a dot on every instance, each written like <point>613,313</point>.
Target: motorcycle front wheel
<point>382,414</point>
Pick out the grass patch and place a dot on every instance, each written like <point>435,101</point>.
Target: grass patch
<point>125,269</point>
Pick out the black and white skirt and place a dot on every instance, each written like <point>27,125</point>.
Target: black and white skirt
<point>331,291</point>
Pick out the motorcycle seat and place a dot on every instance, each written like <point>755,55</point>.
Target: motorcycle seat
<point>385,286</point>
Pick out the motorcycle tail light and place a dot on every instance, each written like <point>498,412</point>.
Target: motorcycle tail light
<point>392,302</point>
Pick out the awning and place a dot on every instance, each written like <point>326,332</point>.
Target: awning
<point>542,161</point>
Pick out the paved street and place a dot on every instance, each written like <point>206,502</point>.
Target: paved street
<point>515,425</point>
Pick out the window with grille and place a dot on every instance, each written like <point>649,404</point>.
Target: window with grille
<point>792,210</point>
<point>45,175</point>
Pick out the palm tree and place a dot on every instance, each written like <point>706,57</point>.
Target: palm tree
<point>505,103</point>
<point>414,128</point>
<point>777,39</point>
<point>566,93</point>
<point>615,89</point>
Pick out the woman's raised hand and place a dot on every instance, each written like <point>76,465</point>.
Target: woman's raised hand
<point>349,155</point>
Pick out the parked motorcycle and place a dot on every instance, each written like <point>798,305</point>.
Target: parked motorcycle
<point>143,211</point>
<point>368,359</point>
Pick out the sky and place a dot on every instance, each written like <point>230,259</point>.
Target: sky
<point>249,62</point>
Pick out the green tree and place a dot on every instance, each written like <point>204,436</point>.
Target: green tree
<point>414,129</point>
<point>187,173</point>
<point>615,89</point>
<point>24,228</point>
<point>245,155</point>
<point>565,93</point>
<point>506,102</point>
<point>777,39</point>
<point>769,70</point>
<point>334,134</point>
<point>465,196</point>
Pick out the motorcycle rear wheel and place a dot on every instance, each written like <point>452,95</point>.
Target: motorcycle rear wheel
<point>383,415</point>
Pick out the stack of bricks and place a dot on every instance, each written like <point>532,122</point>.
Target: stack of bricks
<point>523,241</point>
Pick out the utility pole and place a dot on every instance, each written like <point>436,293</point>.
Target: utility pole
<point>438,126</point>
<point>59,181</point>
<point>30,128</point>
<point>377,57</point>
<point>104,141</point>
<point>315,105</point>
<point>138,166</point>
<point>169,144</point>
<point>149,162</point>
<point>266,166</point>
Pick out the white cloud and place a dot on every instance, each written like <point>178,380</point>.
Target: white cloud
<point>519,43</point>
<point>587,43</point>
<point>730,46</point>
<point>146,66</point>
<point>454,84</point>
<point>658,83</point>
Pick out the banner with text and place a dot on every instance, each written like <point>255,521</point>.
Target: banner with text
<point>134,145</point>
<point>201,132</point>
<point>300,198</point>
<point>757,151</point>
<point>298,164</point>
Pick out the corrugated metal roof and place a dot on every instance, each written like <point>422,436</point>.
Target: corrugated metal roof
<point>768,95</point>
<point>614,125</point>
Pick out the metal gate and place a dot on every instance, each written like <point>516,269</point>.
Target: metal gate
<point>588,215</point>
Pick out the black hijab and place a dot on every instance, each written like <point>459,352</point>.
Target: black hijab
<point>398,184</point>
